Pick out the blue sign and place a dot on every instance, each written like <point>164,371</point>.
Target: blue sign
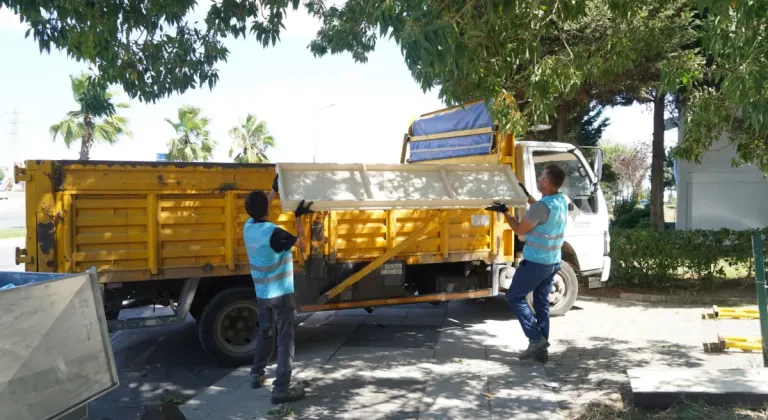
<point>162,157</point>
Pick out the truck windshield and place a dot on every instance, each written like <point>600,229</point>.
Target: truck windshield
<point>577,182</point>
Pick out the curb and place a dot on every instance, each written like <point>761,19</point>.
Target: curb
<point>638,297</point>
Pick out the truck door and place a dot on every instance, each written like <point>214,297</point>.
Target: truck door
<point>585,230</point>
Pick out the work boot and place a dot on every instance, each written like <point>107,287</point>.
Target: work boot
<point>257,381</point>
<point>542,356</point>
<point>290,395</point>
<point>534,348</point>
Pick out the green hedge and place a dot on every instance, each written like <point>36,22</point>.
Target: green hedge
<point>644,257</point>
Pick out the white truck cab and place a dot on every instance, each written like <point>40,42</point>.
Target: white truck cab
<point>587,241</point>
<point>467,134</point>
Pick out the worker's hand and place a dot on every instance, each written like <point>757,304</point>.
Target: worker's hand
<point>304,209</point>
<point>498,207</point>
<point>300,243</point>
<point>275,188</point>
<point>527,194</point>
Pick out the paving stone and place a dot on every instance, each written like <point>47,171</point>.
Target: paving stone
<point>382,319</point>
<point>399,336</point>
<point>352,312</point>
<point>429,313</point>
<point>346,319</point>
<point>391,310</point>
<point>404,371</point>
<point>432,321</point>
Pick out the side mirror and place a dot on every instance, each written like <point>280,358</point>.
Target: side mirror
<point>598,168</point>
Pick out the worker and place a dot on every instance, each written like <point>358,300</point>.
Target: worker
<point>269,252</point>
<point>544,229</point>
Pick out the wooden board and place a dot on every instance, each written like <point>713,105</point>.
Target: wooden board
<point>385,186</point>
<point>55,350</point>
<point>655,388</point>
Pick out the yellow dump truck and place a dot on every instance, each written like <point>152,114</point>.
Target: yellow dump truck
<point>170,233</point>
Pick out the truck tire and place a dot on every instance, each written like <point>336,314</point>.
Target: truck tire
<point>564,291</point>
<point>227,326</point>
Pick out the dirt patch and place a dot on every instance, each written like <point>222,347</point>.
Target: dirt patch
<point>723,289</point>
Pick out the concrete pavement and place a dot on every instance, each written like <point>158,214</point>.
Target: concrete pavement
<point>401,362</point>
<point>460,361</point>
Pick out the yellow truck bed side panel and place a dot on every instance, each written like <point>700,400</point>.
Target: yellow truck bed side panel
<point>144,221</point>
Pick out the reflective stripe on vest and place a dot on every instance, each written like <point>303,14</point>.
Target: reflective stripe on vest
<point>544,242</point>
<point>267,266</point>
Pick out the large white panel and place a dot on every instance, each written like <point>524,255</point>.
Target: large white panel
<point>358,186</point>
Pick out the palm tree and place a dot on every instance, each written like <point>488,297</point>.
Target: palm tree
<point>95,121</point>
<point>193,142</point>
<point>250,141</point>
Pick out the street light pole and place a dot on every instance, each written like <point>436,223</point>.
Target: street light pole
<point>314,154</point>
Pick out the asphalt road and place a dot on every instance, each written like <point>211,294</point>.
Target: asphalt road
<point>12,211</point>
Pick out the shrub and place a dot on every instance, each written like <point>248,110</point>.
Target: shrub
<point>637,218</point>
<point>647,257</point>
<point>624,207</point>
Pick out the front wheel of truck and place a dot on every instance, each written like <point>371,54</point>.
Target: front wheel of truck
<point>227,326</point>
<point>565,290</point>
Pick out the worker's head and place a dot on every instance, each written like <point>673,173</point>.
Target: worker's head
<point>551,179</point>
<point>257,205</point>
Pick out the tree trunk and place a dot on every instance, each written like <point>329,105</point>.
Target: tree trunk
<point>657,163</point>
<point>87,141</point>
<point>561,122</point>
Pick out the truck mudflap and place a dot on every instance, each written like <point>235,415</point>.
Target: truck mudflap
<point>606,269</point>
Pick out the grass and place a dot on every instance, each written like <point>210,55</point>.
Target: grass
<point>283,411</point>
<point>682,411</point>
<point>13,233</point>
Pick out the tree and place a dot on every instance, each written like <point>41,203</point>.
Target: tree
<point>630,164</point>
<point>466,49</point>
<point>250,141</point>
<point>669,171</point>
<point>95,121</point>
<point>589,125</point>
<point>193,142</point>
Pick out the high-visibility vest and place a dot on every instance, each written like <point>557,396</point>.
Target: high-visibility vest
<point>544,242</point>
<point>272,271</point>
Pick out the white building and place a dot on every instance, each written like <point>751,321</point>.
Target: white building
<point>715,195</point>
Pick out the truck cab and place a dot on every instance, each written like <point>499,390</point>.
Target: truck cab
<point>467,134</point>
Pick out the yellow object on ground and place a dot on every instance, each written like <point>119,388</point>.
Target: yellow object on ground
<point>731,313</point>
<point>746,344</point>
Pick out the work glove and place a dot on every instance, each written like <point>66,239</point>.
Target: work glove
<point>304,209</point>
<point>527,194</point>
<point>275,188</point>
<point>498,207</point>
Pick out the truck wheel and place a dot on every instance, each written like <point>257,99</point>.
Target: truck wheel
<point>565,290</point>
<point>227,327</point>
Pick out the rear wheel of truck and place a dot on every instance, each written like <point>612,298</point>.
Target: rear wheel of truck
<point>227,326</point>
<point>565,290</point>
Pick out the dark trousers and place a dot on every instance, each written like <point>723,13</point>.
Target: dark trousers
<point>283,311</point>
<point>537,278</point>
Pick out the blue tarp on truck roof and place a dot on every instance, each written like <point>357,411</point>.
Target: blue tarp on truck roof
<point>470,117</point>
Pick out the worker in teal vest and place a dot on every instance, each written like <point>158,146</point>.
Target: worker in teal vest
<point>544,229</point>
<point>269,252</point>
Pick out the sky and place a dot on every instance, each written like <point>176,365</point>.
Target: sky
<point>330,108</point>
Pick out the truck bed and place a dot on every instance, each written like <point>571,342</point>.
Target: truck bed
<point>137,221</point>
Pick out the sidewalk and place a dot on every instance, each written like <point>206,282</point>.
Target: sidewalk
<point>419,361</point>
<point>440,361</point>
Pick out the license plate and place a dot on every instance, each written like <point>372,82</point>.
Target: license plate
<point>595,283</point>
<point>392,269</point>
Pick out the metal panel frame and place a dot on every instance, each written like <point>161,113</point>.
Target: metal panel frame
<point>106,342</point>
<point>370,202</point>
